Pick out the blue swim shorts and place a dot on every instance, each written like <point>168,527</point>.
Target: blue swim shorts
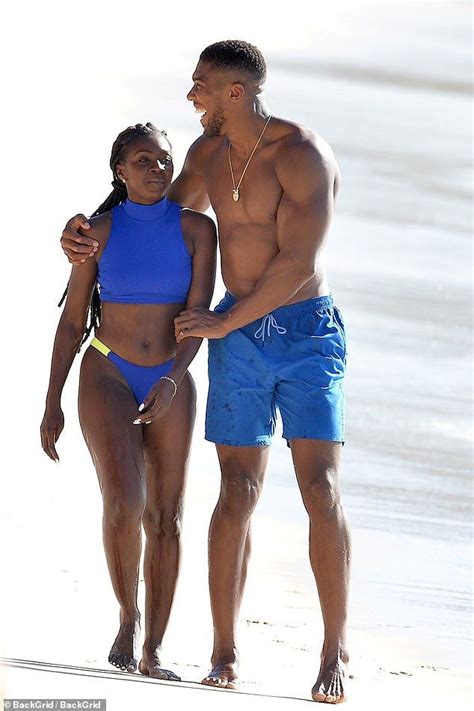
<point>293,360</point>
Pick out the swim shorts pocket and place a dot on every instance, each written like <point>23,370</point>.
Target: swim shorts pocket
<point>340,324</point>
<point>323,331</point>
<point>224,304</point>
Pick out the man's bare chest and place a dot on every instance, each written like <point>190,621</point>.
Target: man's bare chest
<point>259,190</point>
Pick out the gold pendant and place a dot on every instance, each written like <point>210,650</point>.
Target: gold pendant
<point>235,194</point>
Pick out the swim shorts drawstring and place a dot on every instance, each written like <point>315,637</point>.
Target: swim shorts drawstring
<point>268,322</point>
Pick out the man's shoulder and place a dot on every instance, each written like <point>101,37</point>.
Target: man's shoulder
<point>296,141</point>
<point>304,160</point>
<point>202,148</point>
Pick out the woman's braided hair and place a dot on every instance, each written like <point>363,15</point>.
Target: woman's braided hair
<point>117,196</point>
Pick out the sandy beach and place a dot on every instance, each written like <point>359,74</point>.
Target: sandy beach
<point>387,85</point>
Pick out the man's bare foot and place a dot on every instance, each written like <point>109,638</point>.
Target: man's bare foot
<point>330,684</point>
<point>123,652</point>
<point>150,666</point>
<point>223,674</point>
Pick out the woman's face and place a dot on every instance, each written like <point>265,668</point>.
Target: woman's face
<point>147,168</point>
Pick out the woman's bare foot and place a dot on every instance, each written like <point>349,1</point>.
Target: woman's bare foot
<point>150,666</point>
<point>330,684</point>
<point>123,652</point>
<point>224,673</point>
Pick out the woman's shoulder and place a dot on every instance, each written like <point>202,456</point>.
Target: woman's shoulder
<point>101,221</point>
<point>196,219</point>
<point>99,230</point>
<point>100,226</point>
<point>199,230</point>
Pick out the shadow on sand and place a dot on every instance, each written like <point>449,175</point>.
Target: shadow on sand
<point>69,669</point>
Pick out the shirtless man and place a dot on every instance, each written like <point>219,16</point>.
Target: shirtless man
<point>276,340</point>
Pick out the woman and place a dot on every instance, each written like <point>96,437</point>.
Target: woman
<point>136,398</point>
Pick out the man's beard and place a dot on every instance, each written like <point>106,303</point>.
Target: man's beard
<point>215,123</point>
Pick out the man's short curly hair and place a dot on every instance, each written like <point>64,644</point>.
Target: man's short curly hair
<point>239,55</point>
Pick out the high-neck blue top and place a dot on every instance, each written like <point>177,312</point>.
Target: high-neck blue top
<point>145,259</point>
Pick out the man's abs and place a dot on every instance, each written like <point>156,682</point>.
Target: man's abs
<point>246,252</point>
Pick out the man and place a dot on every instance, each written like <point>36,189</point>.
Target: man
<point>276,339</point>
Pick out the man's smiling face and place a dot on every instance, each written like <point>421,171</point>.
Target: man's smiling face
<point>207,95</point>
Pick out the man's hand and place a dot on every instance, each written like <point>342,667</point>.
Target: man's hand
<point>156,403</point>
<point>200,323</point>
<point>76,247</point>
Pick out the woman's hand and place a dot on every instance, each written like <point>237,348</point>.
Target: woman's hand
<point>156,403</point>
<point>51,427</point>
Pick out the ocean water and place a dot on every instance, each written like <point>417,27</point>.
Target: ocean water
<point>387,85</point>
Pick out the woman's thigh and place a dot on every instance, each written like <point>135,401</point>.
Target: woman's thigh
<point>107,409</point>
<point>167,442</point>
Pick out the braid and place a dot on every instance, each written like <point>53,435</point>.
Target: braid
<point>117,196</point>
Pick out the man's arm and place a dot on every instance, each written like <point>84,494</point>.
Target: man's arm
<point>189,188</point>
<point>307,176</point>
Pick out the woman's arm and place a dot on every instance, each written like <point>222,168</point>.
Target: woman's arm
<point>68,338</point>
<point>200,235</point>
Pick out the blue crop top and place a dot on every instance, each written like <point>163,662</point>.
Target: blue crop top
<point>145,259</point>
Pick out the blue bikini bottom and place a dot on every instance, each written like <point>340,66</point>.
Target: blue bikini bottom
<point>140,378</point>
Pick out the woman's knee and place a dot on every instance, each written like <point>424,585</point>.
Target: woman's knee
<point>124,507</point>
<point>163,522</point>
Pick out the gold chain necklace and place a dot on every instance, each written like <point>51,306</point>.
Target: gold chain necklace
<point>236,190</point>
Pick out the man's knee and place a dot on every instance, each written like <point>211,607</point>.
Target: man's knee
<point>240,489</point>
<point>242,475</point>
<point>321,490</point>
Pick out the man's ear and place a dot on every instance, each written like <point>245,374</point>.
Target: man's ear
<point>237,92</point>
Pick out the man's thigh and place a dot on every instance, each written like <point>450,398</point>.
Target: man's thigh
<point>247,462</point>
<point>311,412</point>
<point>241,400</point>
<point>309,391</point>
